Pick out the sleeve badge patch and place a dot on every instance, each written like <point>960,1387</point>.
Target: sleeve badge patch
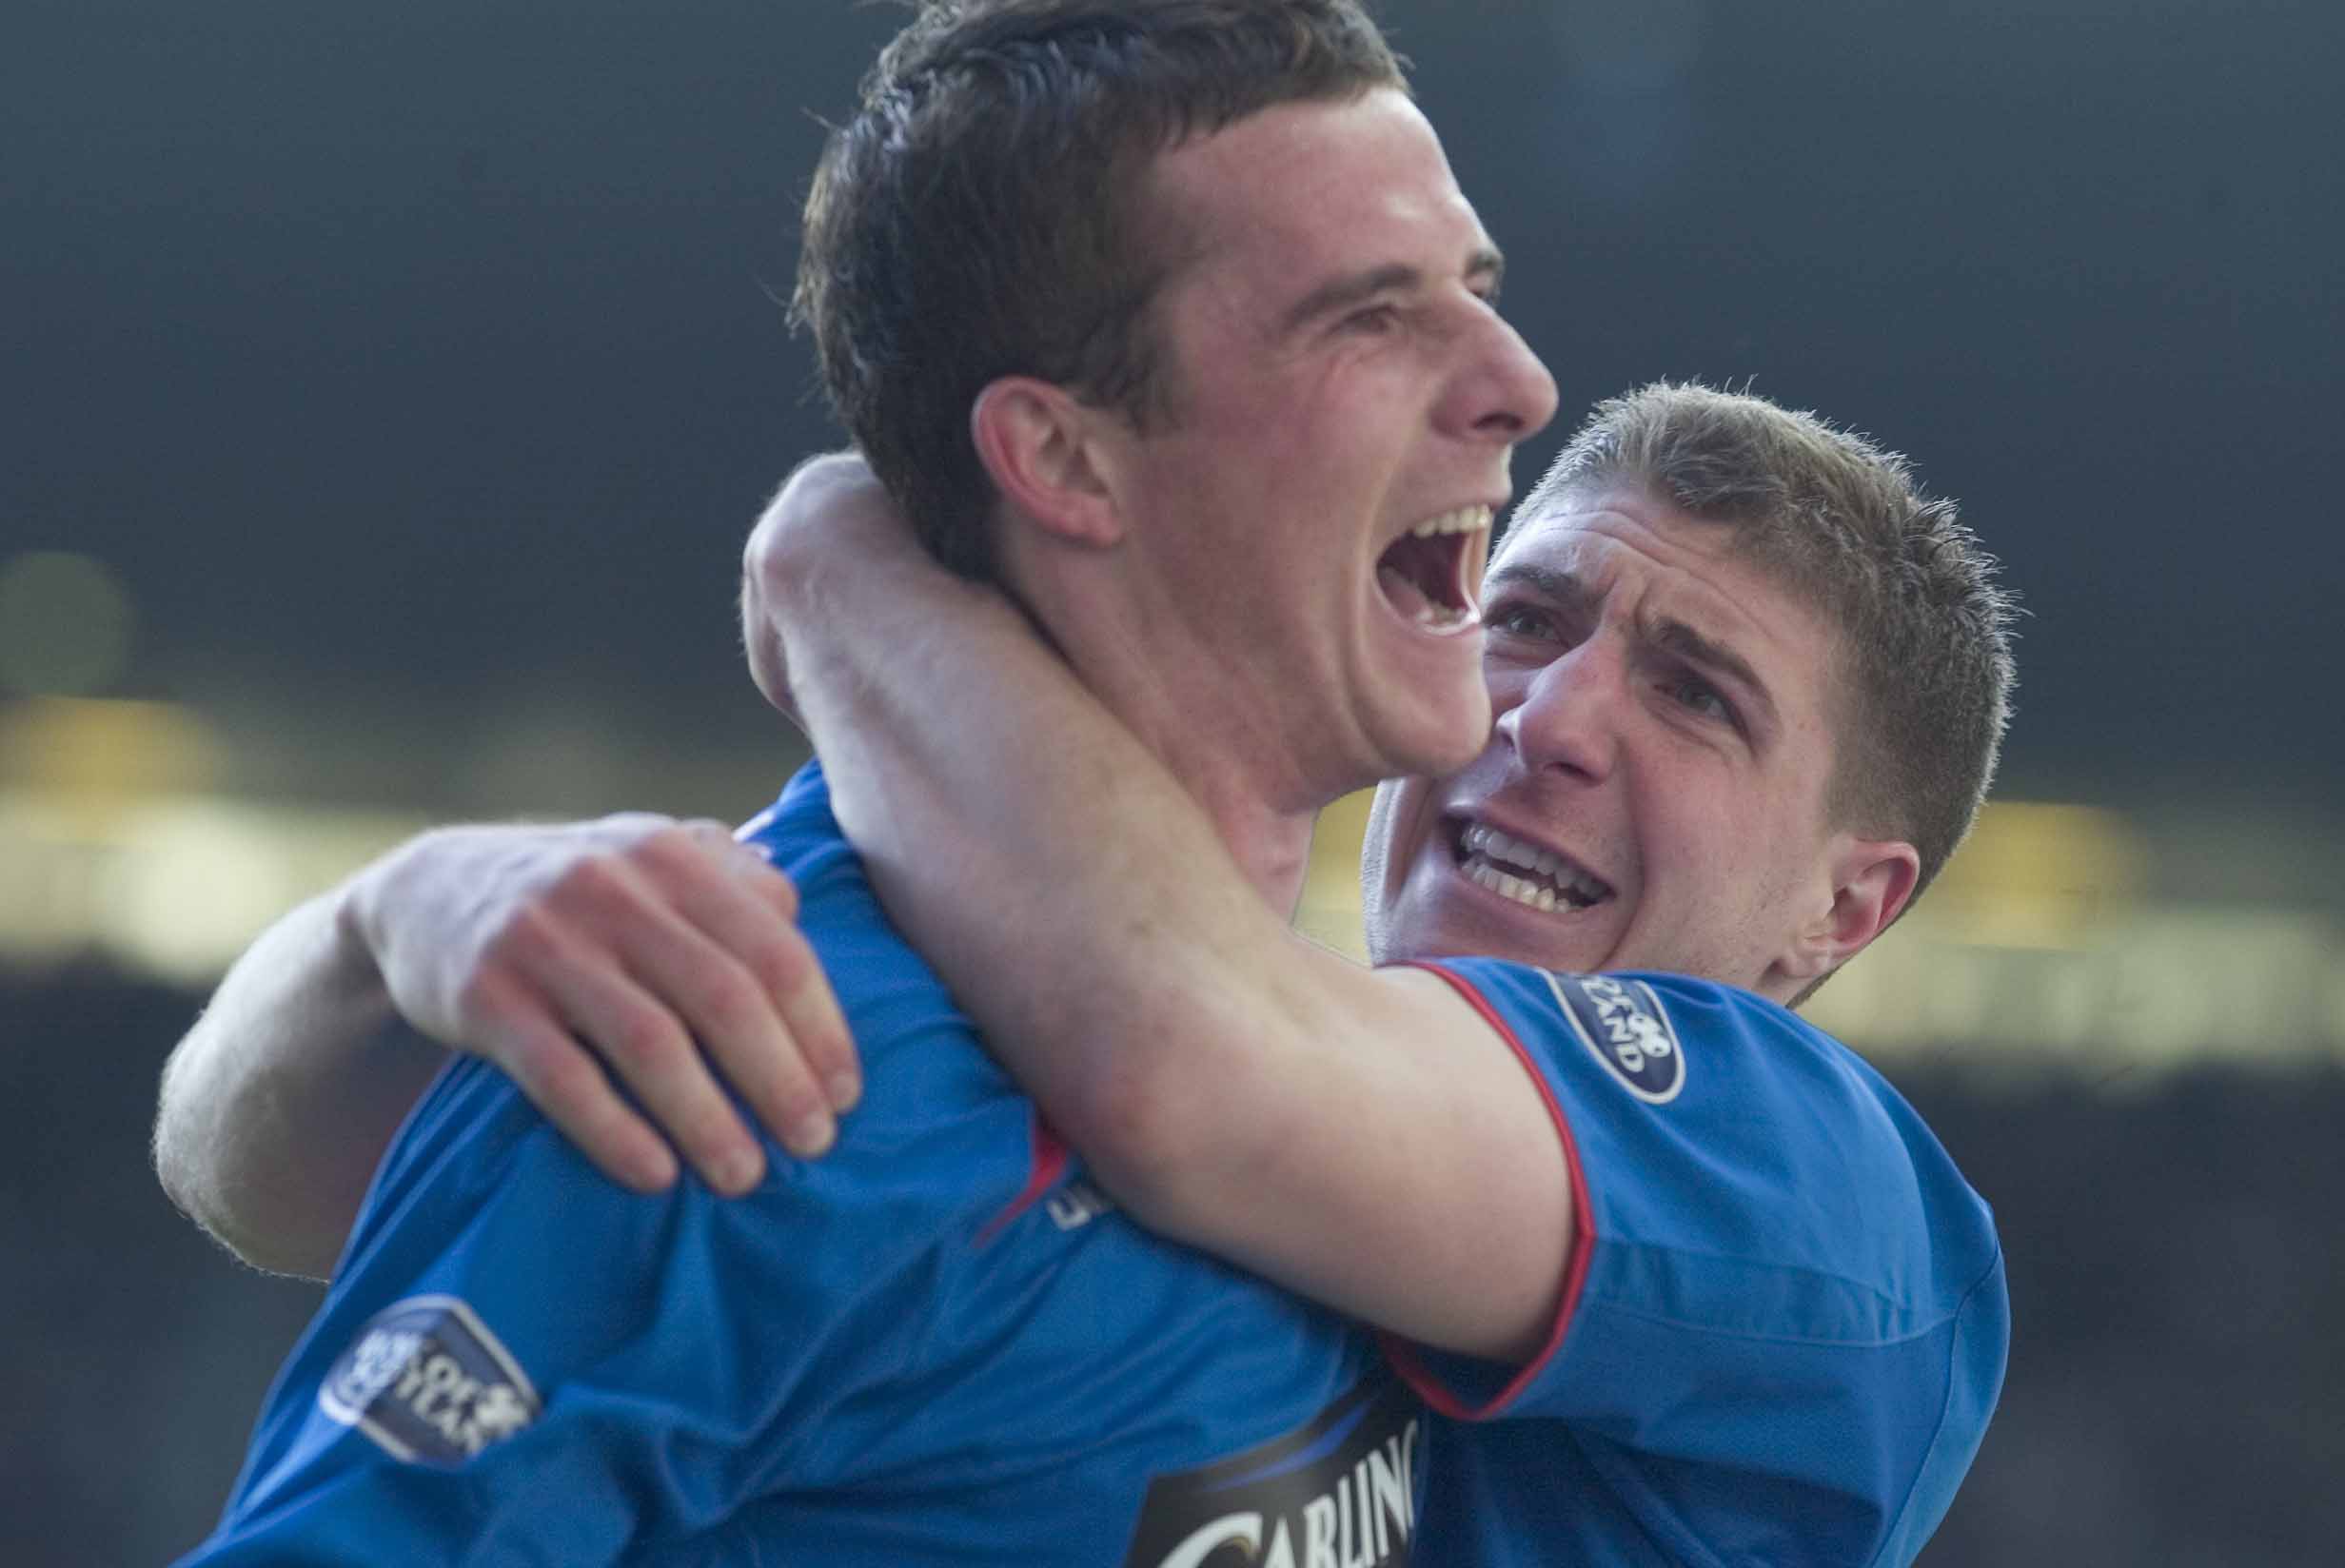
<point>428,1382</point>
<point>1625,1026</point>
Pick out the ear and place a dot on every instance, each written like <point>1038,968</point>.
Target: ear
<point>1041,446</point>
<point>1871,880</point>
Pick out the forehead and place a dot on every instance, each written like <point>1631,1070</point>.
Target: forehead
<point>1622,548</point>
<point>1300,187</point>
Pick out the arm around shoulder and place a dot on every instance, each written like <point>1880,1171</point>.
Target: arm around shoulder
<point>1360,1137</point>
<point>276,1105</point>
<point>574,957</point>
<point>1363,1137</point>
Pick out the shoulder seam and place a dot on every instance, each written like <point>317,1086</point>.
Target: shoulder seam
<point>1945,1408</point>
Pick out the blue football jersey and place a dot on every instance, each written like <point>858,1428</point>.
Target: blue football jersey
<point>934,1344</point>
<point>1784,1323</point>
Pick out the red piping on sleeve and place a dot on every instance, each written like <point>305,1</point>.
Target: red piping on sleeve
<point>1048,1163</point>
<point>1404,1355</point>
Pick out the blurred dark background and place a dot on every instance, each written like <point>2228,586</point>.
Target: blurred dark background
<point>384,395</point>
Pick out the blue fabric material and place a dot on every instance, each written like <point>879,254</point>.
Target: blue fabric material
<point>1789,1334</point>
<point>859,1364</point>
<point>1792,1322</point>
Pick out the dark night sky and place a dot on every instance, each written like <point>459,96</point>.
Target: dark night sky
<point>409,349</point>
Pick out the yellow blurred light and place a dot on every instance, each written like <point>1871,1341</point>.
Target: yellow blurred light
<point>65,624</point>
<point>97,757</point>
<point>207,877</point>
<point>170,885</point>
<point>1330,912</point>
<point>2038,876</point>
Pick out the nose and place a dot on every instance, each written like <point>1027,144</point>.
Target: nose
<point>1565,719</point>
<point>1504,393</point>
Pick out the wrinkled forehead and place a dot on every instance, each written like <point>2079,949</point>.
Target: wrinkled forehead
<point>1624,550</point>
<point>1606,542</point>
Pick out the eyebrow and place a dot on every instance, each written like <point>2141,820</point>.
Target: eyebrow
<point>1569,592</point>
<point>1564,588</point>
<point>1340,294</point>
<point>1682,639</point>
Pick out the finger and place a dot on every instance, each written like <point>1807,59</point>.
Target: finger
<point>785,962</point>
<point>792,975</point>
<point>562,1078</point>
<point>742,1033</point>
<point>755,990</point>
<point>646,1044</point>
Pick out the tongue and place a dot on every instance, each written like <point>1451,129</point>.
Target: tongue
<point>1406,596</point>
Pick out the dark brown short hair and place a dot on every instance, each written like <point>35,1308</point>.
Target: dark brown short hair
<point>978,216</point>
<point>1922,628</point>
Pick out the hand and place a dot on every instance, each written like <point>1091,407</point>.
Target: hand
<point>830,510</point>
<point>570,955</point>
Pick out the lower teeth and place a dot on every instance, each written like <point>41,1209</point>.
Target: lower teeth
<point>1417,604</point>
<point>1522,892</point>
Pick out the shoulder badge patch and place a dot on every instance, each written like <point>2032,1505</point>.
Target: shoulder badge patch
<point>1623,1024</point>
<point>427,1380</point>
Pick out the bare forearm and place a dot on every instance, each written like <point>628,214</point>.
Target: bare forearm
<point>1359,1137</point>
<point>932,705</point>
<point>280,1100</point>
<point>1079,902</point>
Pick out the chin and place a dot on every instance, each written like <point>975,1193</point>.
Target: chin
<point>1446,921</point>
<point>1436,740</point>
<point>1421,927</point>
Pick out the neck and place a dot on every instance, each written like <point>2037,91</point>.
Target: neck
<point>1272,846</point>
<point>1245,790</point>
<point>1227,759</point>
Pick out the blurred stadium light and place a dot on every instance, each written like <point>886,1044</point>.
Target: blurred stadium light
<point>129,831</point>
<point>114,842</point>
<point>64,623</point>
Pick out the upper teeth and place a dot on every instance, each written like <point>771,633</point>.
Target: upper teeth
<point>1576,885</point>
<point>1466,520</point>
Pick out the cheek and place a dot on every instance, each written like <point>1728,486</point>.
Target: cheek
<point>1764,876</point>
<point>1401,822</point>
<point>1698,813</point>
<point>1706,860</point>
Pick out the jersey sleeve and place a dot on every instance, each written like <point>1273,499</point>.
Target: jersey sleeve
<point>519,1360</point>
<point>1784,1316</point>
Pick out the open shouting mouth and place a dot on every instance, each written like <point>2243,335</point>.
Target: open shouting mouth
<point>1431,575</point>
